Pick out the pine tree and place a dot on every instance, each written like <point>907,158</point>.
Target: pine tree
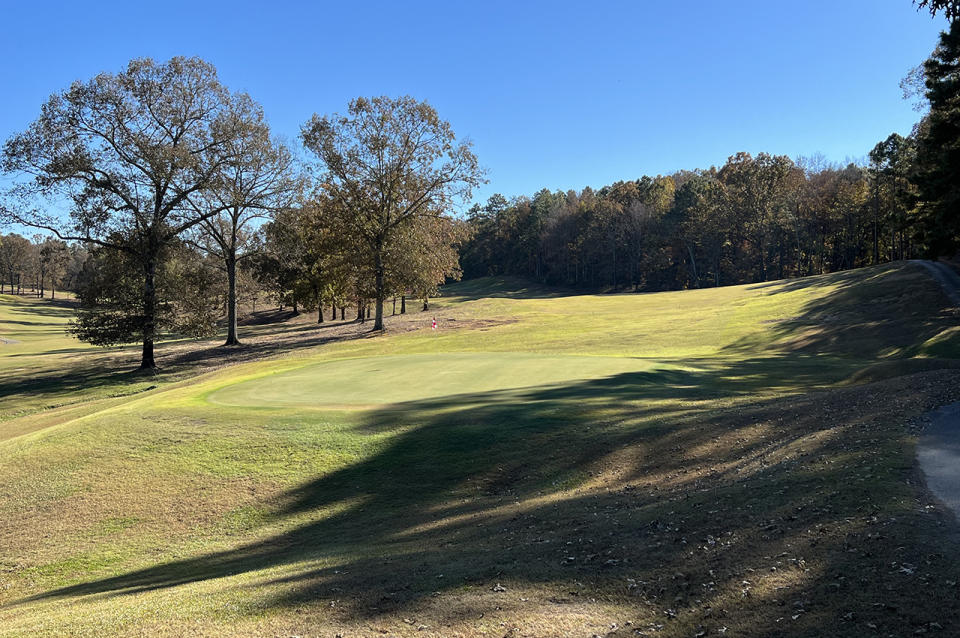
<point>938,156</point>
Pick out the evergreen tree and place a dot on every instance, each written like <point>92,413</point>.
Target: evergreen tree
<point>938,155</point>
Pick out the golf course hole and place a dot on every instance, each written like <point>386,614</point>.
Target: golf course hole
<point>394,379</point>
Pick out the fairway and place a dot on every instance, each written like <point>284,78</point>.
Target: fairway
<point>635,360</point>
<point>393,379</point>
<point>556,463</point>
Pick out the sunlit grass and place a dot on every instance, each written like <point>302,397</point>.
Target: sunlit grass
<point>603,459</point>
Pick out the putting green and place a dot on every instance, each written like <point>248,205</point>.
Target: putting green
<point>393,379</point>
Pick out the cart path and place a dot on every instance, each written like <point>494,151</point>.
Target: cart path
<point>946,276</point>
<point>938,450</point>
<point>938,453</point>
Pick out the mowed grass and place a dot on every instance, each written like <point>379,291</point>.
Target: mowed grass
<point>364,381</point>
<point>42,367</point>
<point>699,462</point>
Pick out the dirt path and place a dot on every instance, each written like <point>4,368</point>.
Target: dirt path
<point>938,450</point>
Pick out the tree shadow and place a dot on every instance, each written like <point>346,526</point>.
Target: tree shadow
<point>635,489</point>
<point>505,287</point>
<point>95,372</point>
<point>887,315</point>
<point>588,491</point>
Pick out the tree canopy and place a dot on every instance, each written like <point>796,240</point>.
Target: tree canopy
<point>938,153</point>
<point>386,164</point>
<point>126,154</point>
<point>950,8</point>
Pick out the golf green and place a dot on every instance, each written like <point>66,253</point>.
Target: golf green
<point>393,379</point>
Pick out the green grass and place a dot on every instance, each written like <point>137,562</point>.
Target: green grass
<point>383,379</point>
<point>681,461</point>
<point>42,367</point>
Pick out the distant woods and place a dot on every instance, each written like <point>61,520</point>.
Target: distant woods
<point>39,265</point>
<point>753,219</point>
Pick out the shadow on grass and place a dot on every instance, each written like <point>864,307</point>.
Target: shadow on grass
<point>635,490</point>
<point>589,491</point>
<point>887,314</point>
<point>95,373</point>
<point>501,288</point>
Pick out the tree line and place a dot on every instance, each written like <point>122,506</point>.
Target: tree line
<point>755,218</point>
<point>38,264</point>
<point>173,203</point>
<point>168,177</point>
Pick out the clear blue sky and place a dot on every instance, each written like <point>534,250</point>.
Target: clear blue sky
<point>553,94</point>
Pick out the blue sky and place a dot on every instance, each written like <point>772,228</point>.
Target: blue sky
<point>553,94</point>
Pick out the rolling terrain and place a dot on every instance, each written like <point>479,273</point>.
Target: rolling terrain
<point>733,461</point>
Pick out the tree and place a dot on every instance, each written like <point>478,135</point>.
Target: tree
<point>388,163</point>
<point>126,153</point>
<point>891,161</point>
<point>279,265</point>
<point>700,214</point>
<point>54,257</point>
<point>14,252</point>
<point>423,258</point>
<point>258,180</point>
<point>76,257</point>
<point>938,152</point>
<point>756,189</point>
<point>950,8</point>
<point>110,294</point>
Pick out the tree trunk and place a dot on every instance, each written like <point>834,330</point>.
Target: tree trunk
<point>378,284</point>
<point>876,221</point>
<point>319,313</point>
<point>693,267</point>
<point>394,307</point>
<point>149,314</point>
<point>780,259</point>
<point>232,339</point>
<point>426,304</point>
<point>763,258</point>
<point>359,309</point>
<point>343,313</point>
<point>403,304</point>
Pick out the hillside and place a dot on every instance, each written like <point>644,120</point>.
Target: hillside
<point>732,461</point>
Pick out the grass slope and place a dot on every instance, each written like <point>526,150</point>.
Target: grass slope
<point>542,465</point>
